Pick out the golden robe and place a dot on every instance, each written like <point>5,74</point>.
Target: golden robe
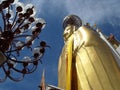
<point>87,63</point>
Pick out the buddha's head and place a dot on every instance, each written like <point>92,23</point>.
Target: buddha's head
<point>70,24</point>
<point>72,20</point>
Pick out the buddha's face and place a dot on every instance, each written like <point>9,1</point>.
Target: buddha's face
<point>68,32</point>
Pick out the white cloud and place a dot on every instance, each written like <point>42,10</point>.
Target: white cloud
<point>92,11</point>
<point>95,11</point>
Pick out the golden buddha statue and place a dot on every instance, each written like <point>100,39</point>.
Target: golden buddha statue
<point>86,61</point>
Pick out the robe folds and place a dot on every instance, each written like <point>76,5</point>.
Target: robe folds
<point>87,63</point>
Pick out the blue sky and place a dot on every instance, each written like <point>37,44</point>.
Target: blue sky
<point>105,13</point>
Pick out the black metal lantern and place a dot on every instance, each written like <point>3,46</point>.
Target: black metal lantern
<point>18,54</point>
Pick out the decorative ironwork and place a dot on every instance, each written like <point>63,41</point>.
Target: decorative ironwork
<point>20,28</point>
